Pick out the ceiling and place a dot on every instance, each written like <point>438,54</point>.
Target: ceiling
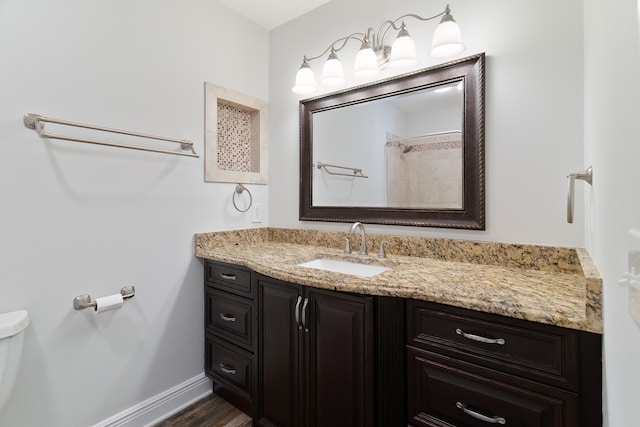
<point>272,13</point>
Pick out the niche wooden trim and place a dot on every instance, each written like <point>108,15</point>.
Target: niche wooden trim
<point>236,137</point>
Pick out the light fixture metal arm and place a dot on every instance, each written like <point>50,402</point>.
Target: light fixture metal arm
<point>421,18</point>
<point>389,24</point>
<point>332,47</point>
<point>376,39</point>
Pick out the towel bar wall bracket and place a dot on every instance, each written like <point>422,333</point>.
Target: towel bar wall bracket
<point>36,122</point>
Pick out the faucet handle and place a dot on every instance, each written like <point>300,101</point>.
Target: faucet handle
<point>347,245</point>
<point>381,253</point>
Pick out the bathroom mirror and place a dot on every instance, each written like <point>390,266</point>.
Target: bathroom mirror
<point>408,150</point>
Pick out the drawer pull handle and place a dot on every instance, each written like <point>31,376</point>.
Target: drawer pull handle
<point>226,370</point>
<point>228,276</point>
<point>479,416</point>
<point>479,338</point>
<point>304,314</point>
<point>298,312</point>
<point>227,317</point>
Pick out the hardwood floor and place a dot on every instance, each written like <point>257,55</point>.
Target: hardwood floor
<point>211,411</point>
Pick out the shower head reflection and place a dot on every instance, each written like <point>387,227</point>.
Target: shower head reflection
<point>405,148</point>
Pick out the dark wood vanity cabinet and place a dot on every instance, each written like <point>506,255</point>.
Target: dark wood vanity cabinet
<point>295,356</point>
<point>466,368</point>
<point>292,356</point>
<point>231,334</point>
<point>316,349</point>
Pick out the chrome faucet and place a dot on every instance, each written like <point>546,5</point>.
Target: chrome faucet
<point>363,233</point>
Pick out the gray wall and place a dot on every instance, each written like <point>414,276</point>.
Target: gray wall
<point>77,218</point>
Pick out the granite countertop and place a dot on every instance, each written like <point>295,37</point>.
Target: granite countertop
<point>557,286</point>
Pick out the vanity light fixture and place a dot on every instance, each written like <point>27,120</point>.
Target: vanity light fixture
<point>375,55</point>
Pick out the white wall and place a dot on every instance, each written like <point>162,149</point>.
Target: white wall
<point>77,218</point>
<point>612,67</point>
<point>534,123</point>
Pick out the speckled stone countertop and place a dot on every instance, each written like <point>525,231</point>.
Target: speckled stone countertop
<point>545,284</point>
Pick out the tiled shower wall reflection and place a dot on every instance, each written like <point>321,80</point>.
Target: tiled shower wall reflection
<point>425,172</point>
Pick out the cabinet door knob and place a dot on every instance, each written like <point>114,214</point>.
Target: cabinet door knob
<point>228,276</point>
<point>227,370</point>
<point>227,317</point>
<point>479,338</point>
<point>479,416</point>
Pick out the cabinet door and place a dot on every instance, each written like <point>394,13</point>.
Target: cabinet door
<point>339,349</point>
<point>279,382</point>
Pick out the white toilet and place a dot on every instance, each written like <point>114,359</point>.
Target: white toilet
<point>12,326</point>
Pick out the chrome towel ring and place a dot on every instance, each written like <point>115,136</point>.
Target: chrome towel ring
<point>239,190</point>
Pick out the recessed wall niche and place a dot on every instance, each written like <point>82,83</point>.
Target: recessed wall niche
<point>236,137</point>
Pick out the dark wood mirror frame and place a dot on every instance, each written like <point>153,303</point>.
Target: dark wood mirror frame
<point>472,215</point>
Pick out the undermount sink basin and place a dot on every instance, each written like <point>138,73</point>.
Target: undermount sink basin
<point>344,267</point>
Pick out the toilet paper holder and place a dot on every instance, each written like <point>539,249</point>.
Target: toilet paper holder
<point>84,301</point>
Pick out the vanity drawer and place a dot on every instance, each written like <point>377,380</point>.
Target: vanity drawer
<point>443,391</point>
<point>230,316</point>
<point>229,278</point>
<point>541,352</point>
<point>230,365</point>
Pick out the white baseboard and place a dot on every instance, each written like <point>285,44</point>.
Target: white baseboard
<point>161,406</point>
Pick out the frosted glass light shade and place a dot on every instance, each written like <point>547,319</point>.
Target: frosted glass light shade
<point>305,80</point>
<point>447,40</point>
<point>366,63</point>
<point>403,51</point>
<point>332,72</point>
